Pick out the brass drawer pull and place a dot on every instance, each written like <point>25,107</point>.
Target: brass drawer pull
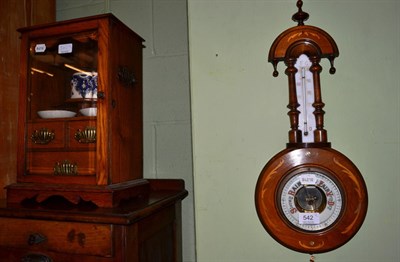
<point>86,136</point>
<point>36,238</point>
<point>42,136</point>
<point>65,169</point>
<point>36,258</point>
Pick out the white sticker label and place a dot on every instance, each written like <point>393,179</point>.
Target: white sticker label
<point>40,48</point>
<point>309,218</point>
<point>65,48</point>
<point>308,179</point>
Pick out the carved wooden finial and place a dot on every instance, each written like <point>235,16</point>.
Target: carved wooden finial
<point>300,16</point>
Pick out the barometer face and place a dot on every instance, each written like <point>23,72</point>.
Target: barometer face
<point>310,200</point>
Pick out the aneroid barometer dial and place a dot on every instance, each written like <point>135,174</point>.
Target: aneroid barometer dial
<point>310,200</point>
<point>309,197</point>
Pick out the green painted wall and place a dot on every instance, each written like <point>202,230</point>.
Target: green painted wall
<point>239,119</point>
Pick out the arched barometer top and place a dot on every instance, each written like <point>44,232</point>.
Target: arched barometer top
<point>302,39</point>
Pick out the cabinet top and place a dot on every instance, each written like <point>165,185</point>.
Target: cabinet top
<point>82,20</point>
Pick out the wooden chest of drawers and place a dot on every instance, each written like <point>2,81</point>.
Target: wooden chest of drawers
<point>147,228</point>
<point>60,237</point>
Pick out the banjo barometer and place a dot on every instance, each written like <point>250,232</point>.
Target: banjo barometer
<point>309,197</point>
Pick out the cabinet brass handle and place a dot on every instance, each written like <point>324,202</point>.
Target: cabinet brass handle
<point>36,238</point>
<point>65,169</point>
<point>86,136</point>
<point>36,258</point>
<point>42,136</point>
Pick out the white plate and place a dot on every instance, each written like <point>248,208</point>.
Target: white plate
<point>90,111</point>
<point>56,114</point>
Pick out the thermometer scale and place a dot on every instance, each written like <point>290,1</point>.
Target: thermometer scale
<point>305,97</point>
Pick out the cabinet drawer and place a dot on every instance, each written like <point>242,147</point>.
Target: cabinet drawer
<point>46,135</point>
<point>63,237</point>
<point>44,163</point>
<point>81,134</point>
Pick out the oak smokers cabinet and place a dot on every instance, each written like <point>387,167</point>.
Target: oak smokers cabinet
<point>94,64</point>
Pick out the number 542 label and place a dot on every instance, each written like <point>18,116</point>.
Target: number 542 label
<point>308,218</point>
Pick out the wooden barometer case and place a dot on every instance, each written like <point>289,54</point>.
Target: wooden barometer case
<point>309,197</point>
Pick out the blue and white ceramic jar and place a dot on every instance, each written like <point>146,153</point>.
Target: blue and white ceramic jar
<point>94,84</point>
<point>84,85</point>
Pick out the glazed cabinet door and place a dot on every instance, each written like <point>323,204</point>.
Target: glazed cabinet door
<point>60,128</point>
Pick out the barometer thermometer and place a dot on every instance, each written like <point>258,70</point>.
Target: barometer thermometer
<point>305,97</point>
<point>309,197</point>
